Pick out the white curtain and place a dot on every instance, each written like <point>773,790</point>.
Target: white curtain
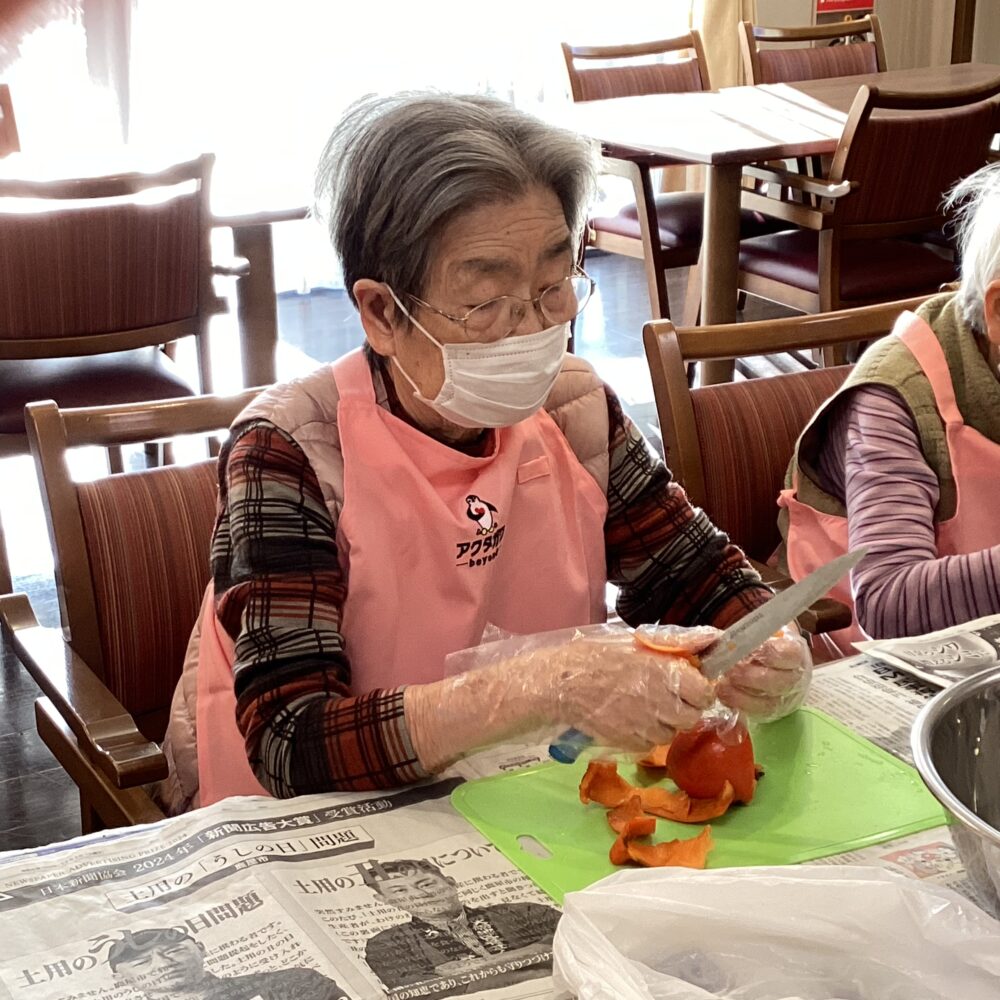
<point>718,21</point>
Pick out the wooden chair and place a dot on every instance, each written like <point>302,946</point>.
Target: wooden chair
<point>898,155</point>
<point>9,142</point>
<point>131,561</point>
<point>112,270</point>
<point>729,445</point>
<point>790,59</point>
<point>664,230</point>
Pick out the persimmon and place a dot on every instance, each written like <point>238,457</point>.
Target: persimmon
<point>701,760</point>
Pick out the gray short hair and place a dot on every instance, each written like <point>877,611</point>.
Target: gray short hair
<point>396,169</point>
<point>976,201</point>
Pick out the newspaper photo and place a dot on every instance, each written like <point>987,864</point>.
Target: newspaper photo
<point>944,657</point>
<point>434,926</point>
<point>335,896</point>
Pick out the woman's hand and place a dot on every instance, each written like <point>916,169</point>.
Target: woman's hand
<point>602,684</point>
<point>773,680</point>
<point>623,695</point>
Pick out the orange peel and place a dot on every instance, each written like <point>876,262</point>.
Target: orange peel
<point>702,810</point>
<point>656,757</point>
<point>668,649</point>
<point>691,853</point>
<point>603,784</point>
<point>621,817</point>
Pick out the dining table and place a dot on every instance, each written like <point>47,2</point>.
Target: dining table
<point>729,129</point>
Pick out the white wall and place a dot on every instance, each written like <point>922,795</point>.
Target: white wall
<point>785,13</point>
<point>917,32</point>
<point>986,41</point>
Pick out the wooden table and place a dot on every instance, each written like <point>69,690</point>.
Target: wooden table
<point>728,129</point>
<point>256,295</point>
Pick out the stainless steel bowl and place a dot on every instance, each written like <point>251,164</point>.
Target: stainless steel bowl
<point>956,747</point>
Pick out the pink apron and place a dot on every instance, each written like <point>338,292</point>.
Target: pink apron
<point>815,538</point>
<point>435,545</point>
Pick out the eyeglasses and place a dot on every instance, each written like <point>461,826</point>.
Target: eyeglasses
<point>500,317</point>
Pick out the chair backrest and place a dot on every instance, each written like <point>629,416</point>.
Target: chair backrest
<point>9,142</point>
<point>108,264</point>
<point>626,70</point>
<point>131,550</point>
<point>793,59</point>
<point>729,445</point>
<point>903,151</point>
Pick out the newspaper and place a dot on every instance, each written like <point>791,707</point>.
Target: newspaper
<point>944,657</point>
<point>876,700</point>
<point>316,898</point>
<point>930,856</point>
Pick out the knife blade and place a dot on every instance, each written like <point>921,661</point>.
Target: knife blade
<point>744,637</point>
<point>749,632</point>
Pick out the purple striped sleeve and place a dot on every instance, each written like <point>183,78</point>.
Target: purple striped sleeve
<point>901,587</point>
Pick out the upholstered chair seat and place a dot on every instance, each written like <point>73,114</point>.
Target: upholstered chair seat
<point>680,217</point>
<point>870,270</point>
<point>97,380</point>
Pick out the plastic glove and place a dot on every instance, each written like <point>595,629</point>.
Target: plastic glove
<point>773,680</point>
<point>625,696</point>
<point>595,680</point>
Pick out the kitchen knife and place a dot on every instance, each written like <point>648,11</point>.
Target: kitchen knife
<point>749,632</point>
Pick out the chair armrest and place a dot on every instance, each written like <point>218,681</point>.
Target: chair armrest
<point>793,212</point>
<point>824,615</point>
<point>107,734</point>
<point>800,182</point>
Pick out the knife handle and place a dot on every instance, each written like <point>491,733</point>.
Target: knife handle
<point>569,745</point>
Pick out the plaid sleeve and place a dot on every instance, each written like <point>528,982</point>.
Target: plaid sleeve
<point>670,562</point>
<point>280,593</point>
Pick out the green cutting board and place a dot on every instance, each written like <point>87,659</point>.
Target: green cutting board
<point>825,790</point>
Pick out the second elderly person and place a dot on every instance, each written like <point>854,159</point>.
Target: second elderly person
<point>460,471</point>
<point>905,460</point>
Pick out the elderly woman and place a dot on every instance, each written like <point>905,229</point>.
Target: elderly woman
<point>460,471</point>
<point>905,460</point>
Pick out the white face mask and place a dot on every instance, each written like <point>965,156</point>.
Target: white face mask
<point>494,385</point>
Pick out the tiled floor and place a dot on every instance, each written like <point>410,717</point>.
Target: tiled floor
<point>38,804</point>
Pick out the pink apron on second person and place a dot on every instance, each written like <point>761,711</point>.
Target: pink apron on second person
<point>815,538</point>
<point>435,545</point>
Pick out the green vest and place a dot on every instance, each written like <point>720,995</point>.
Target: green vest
<point>889,362</point>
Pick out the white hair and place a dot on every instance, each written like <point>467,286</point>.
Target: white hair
<point>976,202</point>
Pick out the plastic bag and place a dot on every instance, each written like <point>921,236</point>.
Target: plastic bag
<point>805,932</point>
